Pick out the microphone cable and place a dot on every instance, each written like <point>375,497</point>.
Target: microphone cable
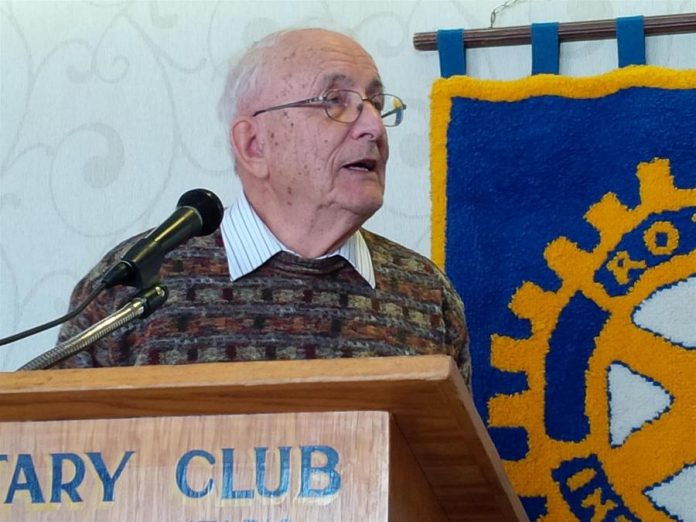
<point>198,213</point>
<point>21,335</point>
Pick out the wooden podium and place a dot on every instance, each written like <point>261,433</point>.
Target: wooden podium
<point>363,440</point>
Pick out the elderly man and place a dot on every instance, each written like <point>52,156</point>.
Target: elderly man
<point>291,274</point>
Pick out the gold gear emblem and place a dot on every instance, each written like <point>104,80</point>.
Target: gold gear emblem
<point>659,449</point>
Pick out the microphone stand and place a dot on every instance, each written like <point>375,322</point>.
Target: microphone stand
<point>140,306</point>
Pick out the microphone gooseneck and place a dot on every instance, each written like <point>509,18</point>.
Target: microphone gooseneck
<point>141,306</point>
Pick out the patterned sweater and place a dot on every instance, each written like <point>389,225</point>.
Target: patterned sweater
<point>289,308</point>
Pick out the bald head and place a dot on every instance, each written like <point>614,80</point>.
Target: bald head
<point>301,60</point>
<point>262,70</point>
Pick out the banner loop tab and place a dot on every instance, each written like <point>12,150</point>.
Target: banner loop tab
<point>450,45</point>
<point>545,48</point>
<point>630,40</point>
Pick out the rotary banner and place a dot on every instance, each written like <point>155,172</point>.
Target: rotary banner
<point>564,211</point>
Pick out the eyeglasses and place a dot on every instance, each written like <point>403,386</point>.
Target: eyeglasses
<point>345,106</point>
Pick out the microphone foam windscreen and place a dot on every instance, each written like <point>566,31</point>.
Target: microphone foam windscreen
<point>208,206</point>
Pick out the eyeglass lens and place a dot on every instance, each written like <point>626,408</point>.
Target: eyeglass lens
<point>346,106</point>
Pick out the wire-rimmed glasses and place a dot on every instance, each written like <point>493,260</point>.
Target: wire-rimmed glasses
<point>345,106</point>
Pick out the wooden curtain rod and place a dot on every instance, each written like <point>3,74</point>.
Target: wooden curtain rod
<point>567,32</point>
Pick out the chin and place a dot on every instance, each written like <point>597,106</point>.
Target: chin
<point>367,206</point>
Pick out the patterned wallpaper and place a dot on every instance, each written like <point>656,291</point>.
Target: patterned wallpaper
<point>109,112</point>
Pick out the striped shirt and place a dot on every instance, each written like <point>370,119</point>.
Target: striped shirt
<point>249,243</point>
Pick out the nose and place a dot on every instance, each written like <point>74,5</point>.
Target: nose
<point>369,123</point>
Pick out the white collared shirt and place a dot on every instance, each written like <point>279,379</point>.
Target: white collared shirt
<point>249,243</point>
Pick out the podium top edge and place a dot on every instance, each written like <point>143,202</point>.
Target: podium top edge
<point>247,373</point>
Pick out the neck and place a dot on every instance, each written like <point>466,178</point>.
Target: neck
<point>310,234</point>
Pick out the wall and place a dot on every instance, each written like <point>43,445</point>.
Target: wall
<point>108,113</point>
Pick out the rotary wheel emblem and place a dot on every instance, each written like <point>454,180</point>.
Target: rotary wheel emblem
<point>610,408</point>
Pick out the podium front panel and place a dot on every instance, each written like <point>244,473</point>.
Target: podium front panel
<point>290,467</point>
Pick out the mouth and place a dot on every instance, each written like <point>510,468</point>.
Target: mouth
<point>363,165</point>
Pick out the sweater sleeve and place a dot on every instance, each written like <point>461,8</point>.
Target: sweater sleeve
<point>109,351</point>
<point>456,329</point>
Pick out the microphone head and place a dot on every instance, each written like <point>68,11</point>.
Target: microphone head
<point>208,206</point>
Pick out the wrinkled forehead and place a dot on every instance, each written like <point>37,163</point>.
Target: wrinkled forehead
<point>309,62</point>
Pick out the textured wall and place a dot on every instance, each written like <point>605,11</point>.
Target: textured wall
<point>109,113</point>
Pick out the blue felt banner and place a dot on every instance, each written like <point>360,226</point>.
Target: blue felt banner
<point>565,214</point>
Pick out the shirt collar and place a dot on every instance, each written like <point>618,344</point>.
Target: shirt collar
<point>249,243</point>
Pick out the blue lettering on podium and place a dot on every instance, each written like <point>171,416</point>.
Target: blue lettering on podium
<point>328,469</point>
<point>25,466</point>
<point>25,477</point>
<point>108,480</point>
<point>227,491</point>
<point>283,481</point>
<point>71,486</point>
<point>182,470</point>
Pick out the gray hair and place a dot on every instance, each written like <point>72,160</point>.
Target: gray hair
<point>244,76</point>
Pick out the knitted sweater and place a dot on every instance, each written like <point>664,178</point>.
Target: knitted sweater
<point>289,308</point>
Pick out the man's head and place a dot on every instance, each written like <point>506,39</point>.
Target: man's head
<point>299,167</point>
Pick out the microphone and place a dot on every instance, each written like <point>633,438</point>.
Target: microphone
<point>199,213</point>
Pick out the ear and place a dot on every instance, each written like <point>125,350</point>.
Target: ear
<point>248,146</point>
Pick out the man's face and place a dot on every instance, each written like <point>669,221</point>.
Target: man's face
<point>319,166</point>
